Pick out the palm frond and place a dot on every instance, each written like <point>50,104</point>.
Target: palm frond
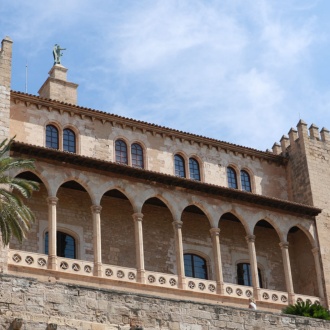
<point>16,218</point>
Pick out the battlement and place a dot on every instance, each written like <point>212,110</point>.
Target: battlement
<point>302,133</point>
<point>5,62</point>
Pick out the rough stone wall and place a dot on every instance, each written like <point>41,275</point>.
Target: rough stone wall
<point>269,256</point>
<point>5,83</point>
<point>38,204</point>
<point>309,182</point>
<point>117,232</point>
<point>158,239</point>
<point>73,307</point>
<point>302,264</point>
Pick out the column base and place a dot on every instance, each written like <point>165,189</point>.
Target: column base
<point>97,269</point>
<point>220,288</point>
<point>182,282</point>
<point>141,276</point>
<point>256,293</point>
<point>52,262</point>
<point>292,298</point>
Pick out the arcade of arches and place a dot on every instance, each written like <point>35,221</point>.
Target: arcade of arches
<point>158,234</point>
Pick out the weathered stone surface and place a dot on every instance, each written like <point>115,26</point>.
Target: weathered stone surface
<point>56,302</point>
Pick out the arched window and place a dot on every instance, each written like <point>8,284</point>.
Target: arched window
<point>179,166</point>
<point>244,275</point>
<point>121,152</point>
<point>245,180</point>
<point>137,155</point>
<point>66,245</point>
<point>51,137</point>
<point>195,266</point>
<point>194,169</point>
<point>69,140</point>
<point>231,176</point>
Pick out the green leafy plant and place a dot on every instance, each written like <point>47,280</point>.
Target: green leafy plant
<point>307,309</point>
<point>15,217</point>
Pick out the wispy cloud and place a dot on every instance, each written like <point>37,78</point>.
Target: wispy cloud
<point>237,70</point>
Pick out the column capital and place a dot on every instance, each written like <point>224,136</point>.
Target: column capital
<point>96,209</point>
<point>250,238</point>
<point>52,200</point>
<point>315,250</point>
<point>215,231</point>
<point>137,216</point>
<point>284,245</point>
<point>177,224</point>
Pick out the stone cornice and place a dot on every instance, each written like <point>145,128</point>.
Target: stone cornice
<point>144,127</point>
<point>41,153</point>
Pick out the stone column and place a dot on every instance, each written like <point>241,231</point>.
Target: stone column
<point>177,225</point>
<point>287,271</point>
<point>52,231</point>
<point>96,211</point>
<point>3,256</point>
<point>253,266</point>
<point>141,276</point>
<point>318,269</point>
<point>215,233</point>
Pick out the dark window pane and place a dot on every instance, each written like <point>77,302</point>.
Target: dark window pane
<point>245,180</point>
<point>51,137</point>
<point>232,180</point>
<point>179,166</point>
<point>195,266</point>
<point>121,152</point>
<point>66,246</point>
<point>137,155</point>
<point>194,169</point>
<point>244,275</point>
<point>69,140</point>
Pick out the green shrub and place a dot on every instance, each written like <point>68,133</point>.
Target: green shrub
<point>307,309</point>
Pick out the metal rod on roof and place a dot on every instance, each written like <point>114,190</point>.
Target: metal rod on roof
<point>26,77</point>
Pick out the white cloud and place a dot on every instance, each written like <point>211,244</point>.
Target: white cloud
<point>236,70</point>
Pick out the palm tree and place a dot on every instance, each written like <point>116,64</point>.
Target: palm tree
<point>15,217</point>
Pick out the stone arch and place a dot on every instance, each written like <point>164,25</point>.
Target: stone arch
<point>78,181</point>
<point>233,244</point>
<point>268,251</point>
<point>239,217</point>
<point>302,262</point>
<point>306,232</point>
<point>272,223</point>
<point>35,174</point>
<point>38,205</point>
<point>117,228</point>
<point>158,235</point>
<point>121,186</point>
<point>196,230</point>
<point>74,211</point>
<point>202,209</point>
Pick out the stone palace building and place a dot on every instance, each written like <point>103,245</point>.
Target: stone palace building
<point>143,226</point>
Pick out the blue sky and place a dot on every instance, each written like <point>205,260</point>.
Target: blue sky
<point>242,71</point>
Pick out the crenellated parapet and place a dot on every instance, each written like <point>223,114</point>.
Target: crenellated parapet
<point>301,134</point>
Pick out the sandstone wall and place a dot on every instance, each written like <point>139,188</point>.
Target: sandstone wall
<point>73,307</point>
<point>97,139</point>
<point>310,181</point>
